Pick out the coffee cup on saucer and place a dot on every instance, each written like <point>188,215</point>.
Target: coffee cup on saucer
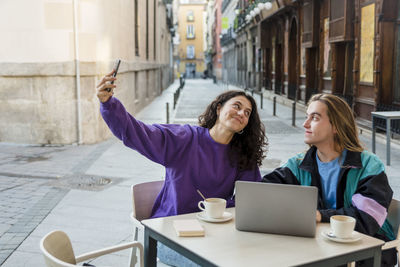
<point>213,207</point>
<point>342,226</point>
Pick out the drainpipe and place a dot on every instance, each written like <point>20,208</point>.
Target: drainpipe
<point>77,73</point>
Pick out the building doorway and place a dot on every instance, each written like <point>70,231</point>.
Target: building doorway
<point>190,70</point>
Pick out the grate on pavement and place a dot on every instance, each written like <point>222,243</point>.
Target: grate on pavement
<point>84,182</point>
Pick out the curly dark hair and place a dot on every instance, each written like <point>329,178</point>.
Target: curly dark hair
<point>246,149</point>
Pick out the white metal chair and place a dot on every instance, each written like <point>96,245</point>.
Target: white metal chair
<point>143,198</point>
<point>57,250</point>
<point>394,219</point>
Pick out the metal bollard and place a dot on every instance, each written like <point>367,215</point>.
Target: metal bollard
<point>294,113</point>
<point>174,100</point>
<point>167,107</point>
<point>262,99</point>
<point>274,107</point>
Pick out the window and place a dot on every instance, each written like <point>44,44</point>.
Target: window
<point>190,15</point>
<point>338,9</point>
<point>327,51</point>
<point>367,43</point>
<point>302,60</point>
<point>190,53</point>
<point>190,31</point>
<point>308,40</point>
<point>341,18</point>
<point>337,19</point>
<point>307,13</point>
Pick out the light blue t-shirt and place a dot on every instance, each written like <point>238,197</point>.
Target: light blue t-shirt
<point>329,172</point>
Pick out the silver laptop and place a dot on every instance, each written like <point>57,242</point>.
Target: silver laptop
<point>276,208</point>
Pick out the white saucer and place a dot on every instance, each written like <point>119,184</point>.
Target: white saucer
<point>225,217</point>
<point>355,236</point>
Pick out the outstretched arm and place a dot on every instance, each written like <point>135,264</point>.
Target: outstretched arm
<point>156,142</point>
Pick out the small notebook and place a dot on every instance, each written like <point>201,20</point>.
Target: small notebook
<point>188,228</point>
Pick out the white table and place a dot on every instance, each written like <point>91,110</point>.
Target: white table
<point>223,245</point>
<point>388,116</point>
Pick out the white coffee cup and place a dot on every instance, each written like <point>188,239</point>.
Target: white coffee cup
<point>342,226</point>
<point>213,207</point>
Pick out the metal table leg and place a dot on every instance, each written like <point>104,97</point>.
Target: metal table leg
<point>150,250</point>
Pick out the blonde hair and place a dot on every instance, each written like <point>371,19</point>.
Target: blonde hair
<point>341,117</point>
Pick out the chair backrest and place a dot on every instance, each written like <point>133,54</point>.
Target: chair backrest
<point>144,196</point>
<point>394,215</point>
<point>57,250</point>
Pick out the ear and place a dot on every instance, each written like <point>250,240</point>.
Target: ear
<point>334,129</point>
<point>218,109</point>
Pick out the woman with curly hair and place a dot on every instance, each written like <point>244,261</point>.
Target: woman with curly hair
<point>226,147</point>
<point>247,146</point>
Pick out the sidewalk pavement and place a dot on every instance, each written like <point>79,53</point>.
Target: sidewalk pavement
<point>85,190</point>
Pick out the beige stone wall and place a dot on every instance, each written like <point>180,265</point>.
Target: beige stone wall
<point>38,100</point>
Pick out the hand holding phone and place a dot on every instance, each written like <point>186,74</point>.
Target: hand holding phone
<point>116,67</point>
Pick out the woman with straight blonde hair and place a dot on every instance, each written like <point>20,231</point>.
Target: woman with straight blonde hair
<point>351,181</point>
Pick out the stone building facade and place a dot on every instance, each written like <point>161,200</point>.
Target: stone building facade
<point>191,28</point>
<point>57,51</point>
<point>296,48</point>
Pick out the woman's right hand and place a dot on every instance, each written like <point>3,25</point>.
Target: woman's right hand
<point>105,89</point>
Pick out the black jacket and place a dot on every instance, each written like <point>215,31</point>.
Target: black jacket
<point>361,174</point>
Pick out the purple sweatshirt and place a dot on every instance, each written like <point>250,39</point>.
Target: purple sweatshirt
<point>192,160</point>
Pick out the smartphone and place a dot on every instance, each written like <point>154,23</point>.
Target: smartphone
<point>116,67</point>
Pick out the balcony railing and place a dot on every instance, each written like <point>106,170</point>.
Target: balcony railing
<point>228,37</point>
<point>250,10</point>
<point>190,35</point>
